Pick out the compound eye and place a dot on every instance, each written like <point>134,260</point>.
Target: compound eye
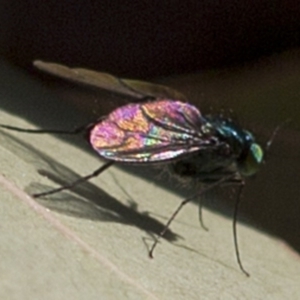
<point>251,164</point>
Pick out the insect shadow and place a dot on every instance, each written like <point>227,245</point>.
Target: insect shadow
<point>87,200</point>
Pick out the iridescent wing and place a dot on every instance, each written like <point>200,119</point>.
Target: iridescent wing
<point>132,88</point>
<point>154,131</point>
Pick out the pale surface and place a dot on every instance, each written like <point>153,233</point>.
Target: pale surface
<point>90,251</point>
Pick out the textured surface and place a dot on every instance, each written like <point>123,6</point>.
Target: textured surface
<point>88,244</point>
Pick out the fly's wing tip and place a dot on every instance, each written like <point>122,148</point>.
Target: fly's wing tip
<point>53,68</point>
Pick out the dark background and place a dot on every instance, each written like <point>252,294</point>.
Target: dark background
<point>147,38</point>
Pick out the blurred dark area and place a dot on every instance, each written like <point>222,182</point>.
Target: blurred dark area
<point>147,38</point>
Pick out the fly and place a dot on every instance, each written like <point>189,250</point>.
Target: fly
<point>211,149</point>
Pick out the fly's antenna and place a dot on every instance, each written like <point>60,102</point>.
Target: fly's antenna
<point>274,134</point>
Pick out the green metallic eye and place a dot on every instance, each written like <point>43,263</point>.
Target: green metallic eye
<point>250,165</point>
<point>257,153</point>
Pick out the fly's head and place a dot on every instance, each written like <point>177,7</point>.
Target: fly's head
<point>248,154</point>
